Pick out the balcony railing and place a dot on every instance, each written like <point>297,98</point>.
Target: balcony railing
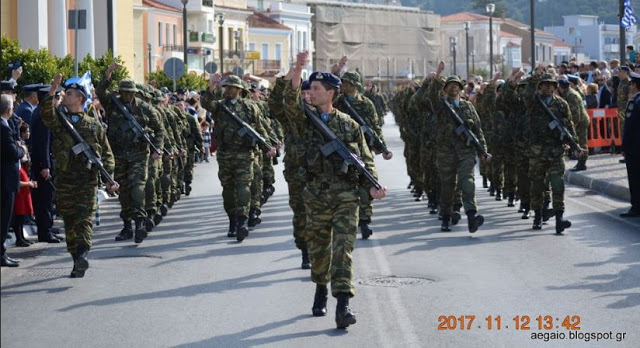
<point>268,64</point>
<point>172,48</point>
<point>208,3</point>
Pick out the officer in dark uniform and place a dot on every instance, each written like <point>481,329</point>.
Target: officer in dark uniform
<point>29,102</point>
<point>631,146</point>
<point>42,172</point>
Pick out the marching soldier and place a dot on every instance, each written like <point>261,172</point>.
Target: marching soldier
<point>330,196</point>
<point>131,151</point>
<point>580,119</point>
<point>76,186</point>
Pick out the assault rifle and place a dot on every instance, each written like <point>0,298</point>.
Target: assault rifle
<point>372,138</point>
<point>247,131</point>
<point>335,145</point>
<point>463,130</point>
<point>81,146</point>
<point>136,127</point>
<point>557,124</point>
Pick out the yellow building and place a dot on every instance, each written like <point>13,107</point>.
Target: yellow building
<point>268,45</point>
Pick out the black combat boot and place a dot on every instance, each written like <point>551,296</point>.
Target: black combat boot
<point>512,198</point>
<point>537,220</point>
<point>127,231</point>
<point>561,224</point>
<point>164,209</point>
<point>364,229</point>
<point>582,165</point>
<point>319,308</point>
<point>548,214</point>
<point>455,217</point>
<point>434,208</point>
<point>445,223</point>
<point>526,212</point>
<point>521,208</point>
<point>149,224</point>
<point>254,220</point>
<point>475,221</point>
<point>485,184</point>
<point>187,188</point>
<point>492,190</point>
<point>157,219</point>
<point>232,226</point>
<point>242,230</point>
<point>410,184</point>
<point>418,195</point>
<point>498,195</point>
<point>141,231</point>
<point>306,263</point>
<point>80,261</point>
<point>344,316</point>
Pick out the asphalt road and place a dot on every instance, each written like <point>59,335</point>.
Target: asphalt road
<point>188,285</point>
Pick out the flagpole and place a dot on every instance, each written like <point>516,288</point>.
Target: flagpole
<point>622,40</point>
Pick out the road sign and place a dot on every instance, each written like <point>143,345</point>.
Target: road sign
<point>82,19</point>
<point>238,71</point>
<point>174,68</point>
<point>252,55</point>
<point>211,67</point>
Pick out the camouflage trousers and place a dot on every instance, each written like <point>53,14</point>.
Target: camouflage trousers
<point>546,168</point>
<point>131,174</point>
<point>153,181</point>
<point>524,182</point>
<point>365,206</point>
<point>332,226</point>
<point>268,174</point>
<point>188,167</point>
<point>412,156</point>
<point>236,173</point>
<point>456,171</point>
<point>296,186</point>
<point>166,181</point>
<point>256,183</point>
<point>504,170</point>
<point>582,133</point>
<point>77,206</point>
<point>428,168</point>
<point>176,181</point>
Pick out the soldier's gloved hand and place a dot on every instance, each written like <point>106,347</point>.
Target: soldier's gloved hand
<point>113,188</point>
<point>272,153</point>
<point>378,194</point>
<point>156,156</point>
<point>486,158</point>
<point>387,156</point>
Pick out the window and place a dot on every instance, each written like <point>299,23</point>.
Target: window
<point>159,34</point>
<point>175,35</point>
<point>278,51</point>
<point>166,28</point>
<point>252,46</point>
<point>264,54</point>
<point>304,40</point>
<point>210,26</point>
<point>299,41</point>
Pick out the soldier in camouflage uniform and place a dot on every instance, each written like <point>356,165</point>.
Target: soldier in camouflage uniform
<point>380,103</point>
<point>456,159</point>
<point>331,197</point>
<point>547,150</point>
<point>580,118</point>
<point>367,111</point>
<point>76,186</point>
<point>295,145</point>
<point>623,94</point>
<point>130,151</point>
<point>235,155</point>
<point>194,139</point>
<point>487,127</point>
<point>170,141</point>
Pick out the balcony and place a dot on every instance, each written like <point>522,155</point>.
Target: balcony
<point>267,64</point>
<point>611,48</point>
<point>172,48</point>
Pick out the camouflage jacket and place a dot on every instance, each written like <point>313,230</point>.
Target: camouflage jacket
<point>69,166</point>
<point>576,106</point>
<point>365,108</point>
<point>421,105</point>
<point>623,95</point>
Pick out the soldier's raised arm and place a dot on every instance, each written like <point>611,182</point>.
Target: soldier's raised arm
<point>433,92</point>
<point>209,100</point>
<point>102,90</point>
<point>292,98</point>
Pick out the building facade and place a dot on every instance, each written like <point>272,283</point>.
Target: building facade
<point>268,45</point>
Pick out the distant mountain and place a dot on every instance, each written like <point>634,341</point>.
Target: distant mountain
<point>547,12</point>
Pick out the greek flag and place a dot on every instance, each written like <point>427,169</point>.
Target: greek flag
<point>629,18</point>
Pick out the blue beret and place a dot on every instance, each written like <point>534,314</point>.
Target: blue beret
<point>331,79</point>
<point>626,68</point>
<point>564,83</point>
<point>573,78</point>
<point>306,85</point>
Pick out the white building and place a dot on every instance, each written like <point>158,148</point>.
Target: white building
<point>588,36</point>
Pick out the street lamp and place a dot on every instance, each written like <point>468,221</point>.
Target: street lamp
<point>236,36</point>
<point>220,17</point>
<point>533,38</point>
<point>473,62</point>
<point>453,41</point>
<point>466,31</point>
<point>184,31</point>
<point>149,48</point>
<point>490,9</point>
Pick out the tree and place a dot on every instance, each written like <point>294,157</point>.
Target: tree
<point>191,82</point>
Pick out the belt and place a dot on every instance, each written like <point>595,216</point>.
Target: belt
<point>325,185</point>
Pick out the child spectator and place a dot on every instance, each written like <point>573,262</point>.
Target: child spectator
<point>23,206</point>
<point>206,135</point>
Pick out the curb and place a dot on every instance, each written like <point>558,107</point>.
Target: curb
<point>602,186</point>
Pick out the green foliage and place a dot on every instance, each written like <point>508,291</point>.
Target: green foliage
<point>191,82</point>
<point>482,72</point>
<point>41,66</point>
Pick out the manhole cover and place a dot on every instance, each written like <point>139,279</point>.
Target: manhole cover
<point>47,272</point>
<point>394,281</point>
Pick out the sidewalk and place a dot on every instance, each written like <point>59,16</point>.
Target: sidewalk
<point>604,174</point>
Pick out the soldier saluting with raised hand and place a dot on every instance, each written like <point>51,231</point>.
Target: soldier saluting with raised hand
<point>131,148</point>
<point>76,184</point>
<point>331,195</point>
<point>456,153</point>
